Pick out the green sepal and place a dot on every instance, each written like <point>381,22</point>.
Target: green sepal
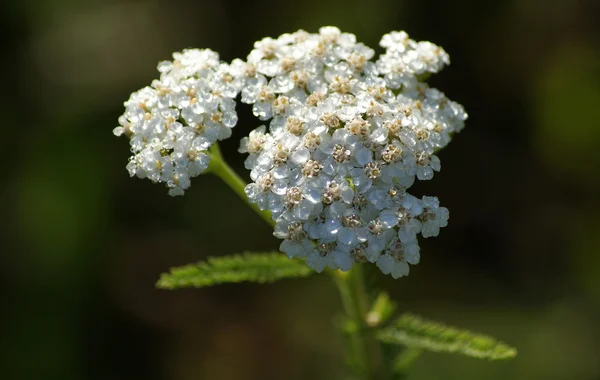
<point>383,308</point>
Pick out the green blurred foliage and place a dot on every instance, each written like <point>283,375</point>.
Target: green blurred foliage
<point>568,90</point>
<point>83,245</point>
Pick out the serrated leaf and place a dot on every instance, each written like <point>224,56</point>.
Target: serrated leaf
<point>413,331</point>
<point>245,267</point>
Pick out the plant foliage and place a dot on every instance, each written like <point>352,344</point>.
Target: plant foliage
<point>245,267</point>
<point>414,332</point>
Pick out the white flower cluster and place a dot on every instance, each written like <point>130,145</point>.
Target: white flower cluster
<point>174,121</point>
<point>347,137</point>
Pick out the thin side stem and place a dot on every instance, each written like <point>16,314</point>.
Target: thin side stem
<point>221,169</point>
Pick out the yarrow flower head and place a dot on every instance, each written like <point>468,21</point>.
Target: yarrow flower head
<point>345,136</point>
<point>346,139</point>
<point>172,123</point>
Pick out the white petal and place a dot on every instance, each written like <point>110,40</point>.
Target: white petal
<point>400,269</point>
<point>385,263</point>
<point>363,156</point>
<point>388,218</point>
<point>342,260</point>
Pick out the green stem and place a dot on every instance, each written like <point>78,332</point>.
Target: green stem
<point>221,169</point>
<point>364,352</point>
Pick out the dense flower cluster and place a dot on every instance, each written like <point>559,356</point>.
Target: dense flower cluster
<point>173,122</point>
<point>347,136</point>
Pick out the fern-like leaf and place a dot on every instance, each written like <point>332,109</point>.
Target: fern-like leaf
<point>245,267</point>
<point>414,332</point>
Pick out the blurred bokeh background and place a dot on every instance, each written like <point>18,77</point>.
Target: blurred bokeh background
<point>82,244</point>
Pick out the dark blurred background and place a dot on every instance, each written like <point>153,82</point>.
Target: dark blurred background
<point>82,244</point>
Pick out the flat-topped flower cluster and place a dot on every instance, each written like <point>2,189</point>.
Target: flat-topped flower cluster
<point>347,136</point>
<point>173,122</point>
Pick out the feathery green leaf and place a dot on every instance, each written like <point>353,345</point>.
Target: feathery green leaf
<point>415,332</point>
<point>248,266</point>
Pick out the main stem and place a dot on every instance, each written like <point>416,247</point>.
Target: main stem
<point>364,353</point>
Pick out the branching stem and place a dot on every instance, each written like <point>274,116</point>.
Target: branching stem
<point>364,352</point>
